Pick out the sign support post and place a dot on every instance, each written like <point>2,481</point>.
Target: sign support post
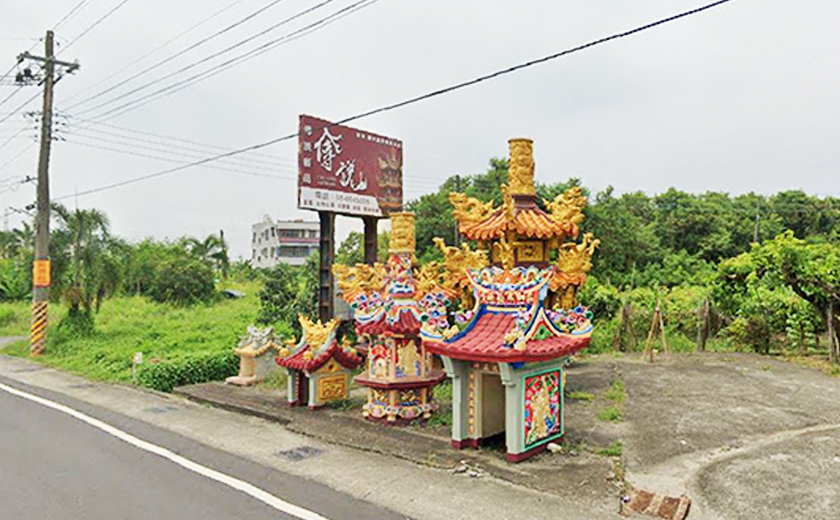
<point>371,240</point>
<point>327,251</point>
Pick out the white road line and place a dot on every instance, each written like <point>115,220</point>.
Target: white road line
<point>249,489</point>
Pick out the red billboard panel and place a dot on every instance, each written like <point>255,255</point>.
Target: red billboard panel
<point>349,171</point>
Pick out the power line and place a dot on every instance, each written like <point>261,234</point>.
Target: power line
<point>164,44</point>
<point>182,84</point>
<point>7,98</point>
<point>21,107</point>
<point>205,59</point>
<point>90,27</point>
<point>176,161</point>
<point>132,144</point>
<point>191,47</point>
<point>13,136</point>
<point>16,156</point>
<point>416,99</point>
<point>178,139</point>
<point>261,162</point>
<point>70,14</point>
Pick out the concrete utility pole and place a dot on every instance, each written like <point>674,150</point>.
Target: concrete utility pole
<point>41,265</point>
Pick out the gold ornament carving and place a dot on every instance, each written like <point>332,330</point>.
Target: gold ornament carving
<point>521,167</point>
<point>469,210</point>
<point>361,278</point>
<point>567,207</point>
<point>402,233</point>
<point>503,253</point>
<point>316,333</point>
<point>574,261</point>
<point>407,358</point>
<point>507,203</point>
<point>331,388</point>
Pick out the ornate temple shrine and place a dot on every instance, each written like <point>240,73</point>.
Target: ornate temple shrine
<point>519,322</point>
<point>389,308</point>
<point>319,368</point>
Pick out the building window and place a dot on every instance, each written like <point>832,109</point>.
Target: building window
<point>272,232</point>
<point>313,234</point>
<point>293,251</point>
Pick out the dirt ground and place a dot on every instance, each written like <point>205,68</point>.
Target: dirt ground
<point>744,436</point>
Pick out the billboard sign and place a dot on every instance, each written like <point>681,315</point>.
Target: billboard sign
<point>348,171</point>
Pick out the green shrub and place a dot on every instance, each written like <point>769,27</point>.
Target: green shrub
<point>183,281</point>
<point>15,280</point>
<point>188,370</point>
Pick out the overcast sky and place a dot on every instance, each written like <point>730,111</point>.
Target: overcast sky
<point>740,98</point>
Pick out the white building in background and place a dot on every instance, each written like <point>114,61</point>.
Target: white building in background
<point>283,241</point>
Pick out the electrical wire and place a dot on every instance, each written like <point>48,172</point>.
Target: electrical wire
<point>185,83</point>
<point>90,27</point>
<point>257,162</point>
<point>124,129</point>
<point>16,156</point>
<point>10,96</point>
<point>409,101</point>
<point>70,14</point>
<point>134,144</point>
<point>180,53</point>
<point>176,161</point>
<point>159,47</point>
<point>207,58</point>
<point>21,107</point>
<point>13,136</point>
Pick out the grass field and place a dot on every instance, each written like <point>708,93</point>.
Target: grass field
<point>14,318</point>
<point>126,325</point>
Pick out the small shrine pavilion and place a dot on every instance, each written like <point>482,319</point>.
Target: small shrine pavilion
<point>520,321</point>
<point>256,356</point>
<point>319,367</point>
<point>389,310</point>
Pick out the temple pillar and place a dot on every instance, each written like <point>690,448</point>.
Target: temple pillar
<point>458,373</point>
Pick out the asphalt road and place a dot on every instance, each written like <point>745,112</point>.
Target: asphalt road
<point>54,466</point>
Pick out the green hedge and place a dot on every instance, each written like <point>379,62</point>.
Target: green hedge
<point>188,370</point>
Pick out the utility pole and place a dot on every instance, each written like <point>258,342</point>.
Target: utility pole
<point>41,264</point>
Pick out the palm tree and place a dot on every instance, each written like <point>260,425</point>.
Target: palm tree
<point>85,266</point>
<point>212,249</point>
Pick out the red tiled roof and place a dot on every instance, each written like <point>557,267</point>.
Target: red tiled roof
<point>407,324</point>
<point>297,361</point>
<point>484,342</point>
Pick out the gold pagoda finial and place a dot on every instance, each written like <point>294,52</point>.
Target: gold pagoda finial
<point>521,167</point>
<point>316,333</point>
<point>402,233</point>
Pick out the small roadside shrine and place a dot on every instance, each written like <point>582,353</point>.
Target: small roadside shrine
<point>519,319</point>
<point>319,367</point>
<point>255,351</point>
<point>388,310</point>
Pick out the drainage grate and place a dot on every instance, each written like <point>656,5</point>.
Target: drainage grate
<point>161,409</point>
<point>27,369</point>
<point>82,385</point>
<point>299,453</point>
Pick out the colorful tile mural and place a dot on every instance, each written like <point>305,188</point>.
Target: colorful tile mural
<point>542,407</point>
